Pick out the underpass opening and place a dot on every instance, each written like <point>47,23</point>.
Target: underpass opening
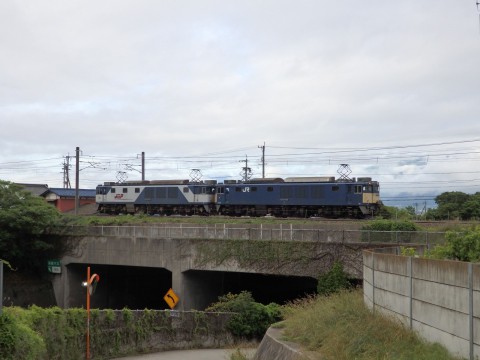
<point>207,286</point>
<point>132,287</point>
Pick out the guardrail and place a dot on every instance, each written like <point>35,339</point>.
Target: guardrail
<point>278,233</point>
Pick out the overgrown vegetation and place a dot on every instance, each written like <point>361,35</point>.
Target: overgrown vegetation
<point>251,319</point>
<point>462,246</point>
<point>118,220</point>
<point>334,280</point>
<point>24,223</point>
<point>341,327</point>
<point>390,225</point>
<point>56,334</point>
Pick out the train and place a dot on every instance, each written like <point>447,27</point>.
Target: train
<point>278,197</point>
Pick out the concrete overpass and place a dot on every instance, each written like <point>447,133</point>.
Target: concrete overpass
<point>202,262</point>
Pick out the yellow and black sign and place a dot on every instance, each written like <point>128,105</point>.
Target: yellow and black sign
<point>171,298</point>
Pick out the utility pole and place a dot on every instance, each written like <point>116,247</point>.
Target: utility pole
<point>77,180</point>
<point>246,171</point>
<point>263,159</point>
<point>66,173</point>
<point>143,165</point>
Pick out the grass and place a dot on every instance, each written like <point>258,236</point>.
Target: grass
<point>145,219</point>
<point>341,327</point>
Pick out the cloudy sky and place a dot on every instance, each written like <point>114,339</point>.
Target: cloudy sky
<point>391,88</point>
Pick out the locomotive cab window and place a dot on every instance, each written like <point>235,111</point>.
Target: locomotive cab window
<point>220,190</point>
<point>101,191</point>
<point>125,190</point>
<point>113,190</point>
<point>335,188</point>
<point>358,189</point>
<point>137,190</point>
<point>270,188</point>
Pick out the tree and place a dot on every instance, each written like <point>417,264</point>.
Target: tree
<point>464,246</point>
<point>24,220</point>
<point>450,204</point>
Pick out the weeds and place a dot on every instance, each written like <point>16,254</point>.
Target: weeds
<point>342,327</point>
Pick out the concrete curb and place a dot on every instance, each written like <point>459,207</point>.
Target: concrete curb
<point>273,347</point>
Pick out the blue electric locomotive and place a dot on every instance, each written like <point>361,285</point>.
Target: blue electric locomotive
<point>300,197</point>
<point>290,197</point>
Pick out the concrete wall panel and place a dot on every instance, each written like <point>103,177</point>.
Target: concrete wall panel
<point>394,316</point>
<point>394,302</point>
<point>447,320</point>
<point>391,263</point>
<point>394,283</point>
<point>441,271</point>
<point>454,344</point>
<point>368,290</point>
<point>440,302</point>
<point>368,259</point>
<point>476,331</point>
<point>476,277</point>
<point>446,296</point>
<point>367,274</point>
<point>476,304</point>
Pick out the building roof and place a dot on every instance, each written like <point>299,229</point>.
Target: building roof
<point>84,193</point>
<point>35,189</point>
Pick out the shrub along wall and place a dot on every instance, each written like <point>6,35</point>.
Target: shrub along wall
<point>53,333</point>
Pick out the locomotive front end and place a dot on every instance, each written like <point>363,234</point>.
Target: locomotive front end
<point>371,197</point>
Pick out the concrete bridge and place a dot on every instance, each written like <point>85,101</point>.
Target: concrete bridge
<point>139,264</point>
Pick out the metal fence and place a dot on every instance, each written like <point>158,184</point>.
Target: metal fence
<point>274,233</point>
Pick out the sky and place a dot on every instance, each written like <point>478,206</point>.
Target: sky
<point>391,88</point>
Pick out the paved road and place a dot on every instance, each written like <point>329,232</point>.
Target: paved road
<point>205,354</point>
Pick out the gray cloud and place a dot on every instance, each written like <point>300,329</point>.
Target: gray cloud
<point>188,78</point>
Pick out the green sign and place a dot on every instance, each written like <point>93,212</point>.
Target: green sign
<point>54,266</point>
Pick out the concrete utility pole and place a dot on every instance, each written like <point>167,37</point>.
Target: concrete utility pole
<point>143,165</point>
<point>263,159</point>
<point>77,179</point>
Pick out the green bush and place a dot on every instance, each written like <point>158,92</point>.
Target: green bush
<point>390,225</point>
<point>251,319</point>
<point>18,340</point>
<point>463,246</point>
<point>389,230</point>
<point>332,281</point>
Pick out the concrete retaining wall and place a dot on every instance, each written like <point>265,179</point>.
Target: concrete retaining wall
<point>439,299</point>
<point>156,331</point>
<point>273,347</point>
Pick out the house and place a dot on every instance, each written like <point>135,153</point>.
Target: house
<point>35,189</point>
<point>64,199</point>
